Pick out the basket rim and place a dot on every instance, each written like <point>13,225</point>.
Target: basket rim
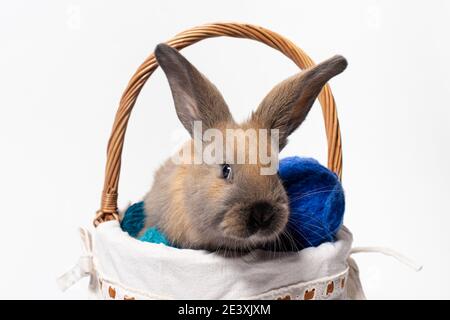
<point>343,235</point>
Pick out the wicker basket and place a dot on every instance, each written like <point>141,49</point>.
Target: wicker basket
<point>124,268</point>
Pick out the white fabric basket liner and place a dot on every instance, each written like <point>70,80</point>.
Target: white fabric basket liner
<point>121,267</point>
<point>128,268</point>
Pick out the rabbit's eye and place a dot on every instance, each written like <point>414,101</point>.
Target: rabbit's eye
<point>226,171</point>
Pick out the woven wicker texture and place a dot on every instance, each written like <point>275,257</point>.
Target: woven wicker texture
<point>108,210</point>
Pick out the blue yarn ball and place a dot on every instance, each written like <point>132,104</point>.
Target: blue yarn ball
<point>316,201</point>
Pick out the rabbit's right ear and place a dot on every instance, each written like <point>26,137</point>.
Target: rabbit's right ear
<point>286,106</point>
<point>195,97</point>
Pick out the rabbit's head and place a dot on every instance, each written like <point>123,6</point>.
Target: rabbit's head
<point>235,200</point>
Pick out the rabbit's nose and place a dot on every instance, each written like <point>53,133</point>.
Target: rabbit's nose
<point>261,215</point>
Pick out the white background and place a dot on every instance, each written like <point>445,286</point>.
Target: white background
<point>64,65</point>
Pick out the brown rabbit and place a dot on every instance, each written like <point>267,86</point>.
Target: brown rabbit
<point>225,205</point>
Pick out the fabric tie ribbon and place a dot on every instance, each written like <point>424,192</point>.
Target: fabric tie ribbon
<point>83,268</point>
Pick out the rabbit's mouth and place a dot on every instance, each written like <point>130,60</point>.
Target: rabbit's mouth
<point>254,224</point>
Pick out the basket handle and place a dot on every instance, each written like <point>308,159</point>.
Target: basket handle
<point>108,210</point>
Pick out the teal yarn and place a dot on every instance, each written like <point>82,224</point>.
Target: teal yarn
<point>133,223</point>
<point>153,235</point>
<point>133,219</point>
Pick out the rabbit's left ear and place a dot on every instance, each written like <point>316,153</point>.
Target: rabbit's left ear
<point>288,103</point>
<point>195,97</point>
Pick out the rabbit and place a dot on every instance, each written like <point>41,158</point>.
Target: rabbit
<point>221,205</point>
